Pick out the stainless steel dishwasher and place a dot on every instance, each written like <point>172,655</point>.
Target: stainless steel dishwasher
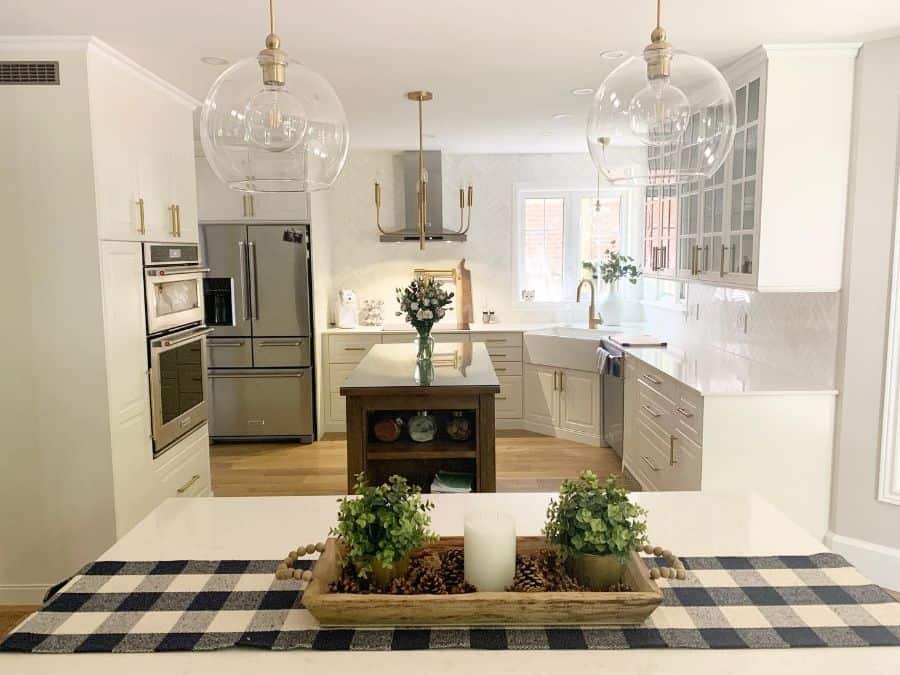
<point>613,385</point>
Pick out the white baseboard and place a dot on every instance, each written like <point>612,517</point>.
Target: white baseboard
<point>553,432</point>
<point>23,594</point>
<point>879,563</point>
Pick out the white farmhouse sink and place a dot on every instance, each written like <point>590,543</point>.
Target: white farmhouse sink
<point>564,347</point>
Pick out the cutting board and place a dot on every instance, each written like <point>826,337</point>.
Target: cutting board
<point>637,340</point>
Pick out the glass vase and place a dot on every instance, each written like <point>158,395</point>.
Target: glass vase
<point>424,347</point>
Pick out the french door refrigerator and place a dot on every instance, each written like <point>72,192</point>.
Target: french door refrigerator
<point>257,300</point>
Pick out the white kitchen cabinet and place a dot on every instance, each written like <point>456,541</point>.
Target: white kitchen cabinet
<point>778,444</point>
<point>218,202</point>
<point>561,402</point>
<point>579,402</point>
<point>540,395</point>
<point>142,151</point>
<point>772,218</point>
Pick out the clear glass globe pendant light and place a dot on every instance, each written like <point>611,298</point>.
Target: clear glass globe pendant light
<point>270,124</point>
<point>666,117</point>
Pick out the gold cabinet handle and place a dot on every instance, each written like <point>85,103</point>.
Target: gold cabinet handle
<point>672,460</point>
<point>722,261</point>
<point>650,411</point>
<point>178,219</point>
<point>562,382</point>
<point>495,340</point>
<point>684,413</point>
<point>502,398</point>
<point>184,488</point>
<point>695,260</point>
<point>355,349</point>
<point>142,229</point>
<point>174,223</point>
<point>500,370</point>
<point>650,379</point>
<point>649,463</point>
<point>555,375</point>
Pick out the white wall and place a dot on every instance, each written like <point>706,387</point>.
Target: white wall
<point>55,465</point>
<point>321,257</point>
<point>860,522</point>
<point>374,269</point>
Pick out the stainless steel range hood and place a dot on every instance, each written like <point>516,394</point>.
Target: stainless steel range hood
<point>434,226</point>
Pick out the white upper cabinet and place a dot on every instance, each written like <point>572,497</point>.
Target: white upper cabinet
<point>218,203</point>
<point>142,144</point>
<point>772,218</point>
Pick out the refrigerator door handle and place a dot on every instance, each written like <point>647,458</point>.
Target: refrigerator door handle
<point>254,296</point>
<point>245,290</point>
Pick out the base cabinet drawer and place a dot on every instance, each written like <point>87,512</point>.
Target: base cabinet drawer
<point>350,348</point>
<point>508,403</point>
<point>504,354</point>
<point>253,403</point>
<point>281,352</point>
<point>498,340</point>
<point>183,470</point>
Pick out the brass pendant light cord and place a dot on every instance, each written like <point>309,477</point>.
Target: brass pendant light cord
<point>272,16</point>
<point>658,13</point>
<point>423,198</point>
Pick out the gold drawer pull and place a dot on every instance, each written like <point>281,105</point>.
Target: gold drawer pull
<point>355,349</point>
<point>684,413</point>
<point>495,340</point>
<point>502,398</point>
<point>280,344</point>
<point>184,488</point>
<point>650,379</point>
<point>650,411</point>
<point>649,463</point>
<point>500,370</point>
<point>672,460</point>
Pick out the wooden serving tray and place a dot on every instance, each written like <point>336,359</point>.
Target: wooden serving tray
<point>472,609</point>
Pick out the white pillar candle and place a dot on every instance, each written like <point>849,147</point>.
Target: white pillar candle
<point>490,550</point>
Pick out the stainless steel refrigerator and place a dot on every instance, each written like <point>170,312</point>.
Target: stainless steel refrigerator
<point>257,300</point>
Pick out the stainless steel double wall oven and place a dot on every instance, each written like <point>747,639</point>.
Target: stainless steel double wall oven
<point>176,340</point>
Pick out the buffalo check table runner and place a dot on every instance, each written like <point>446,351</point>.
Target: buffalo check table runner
<point>724,603</point>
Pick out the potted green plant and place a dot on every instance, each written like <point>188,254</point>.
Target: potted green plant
<point>381,525</point>
<point>612,269</point>
<point>423,303</point>
<point>596,528</point>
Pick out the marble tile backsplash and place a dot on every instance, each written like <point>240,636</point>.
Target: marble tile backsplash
<point>795,332</point>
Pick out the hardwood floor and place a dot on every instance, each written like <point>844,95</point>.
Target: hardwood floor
<point>11,615</point>
<point>526,462</point>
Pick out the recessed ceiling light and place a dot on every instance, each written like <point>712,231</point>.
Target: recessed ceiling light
<point>561,116</point>
<point>584,91</point>
<point>214,60</point>
<point>612,54</point>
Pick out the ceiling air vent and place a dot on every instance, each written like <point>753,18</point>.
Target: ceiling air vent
<point>29,72</point>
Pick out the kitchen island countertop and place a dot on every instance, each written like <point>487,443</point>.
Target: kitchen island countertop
<point>264,528</point>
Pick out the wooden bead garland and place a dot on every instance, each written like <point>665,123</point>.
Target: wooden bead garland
<point>675,570</point>
<point>285,570</point>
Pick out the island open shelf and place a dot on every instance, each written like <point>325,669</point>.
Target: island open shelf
<point>384,385</point>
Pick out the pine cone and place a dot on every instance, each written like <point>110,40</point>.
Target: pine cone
<point>346,584</point>
<point>422,564</point>
<point>401,586</point>
<point>453,568</point>
<point>430,582</point>
<point>529,577</point>
<point>555,574</point>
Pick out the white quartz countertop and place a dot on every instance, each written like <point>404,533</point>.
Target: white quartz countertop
<point>715,372</point>
<point>449,328</point>
<point>267,527</point>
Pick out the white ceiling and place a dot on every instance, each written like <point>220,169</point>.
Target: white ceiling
<point>499,69</point>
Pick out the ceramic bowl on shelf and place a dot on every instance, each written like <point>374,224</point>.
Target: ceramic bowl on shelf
<point>387,429</point>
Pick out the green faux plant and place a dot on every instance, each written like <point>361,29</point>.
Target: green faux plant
<point>614,267</point>
<point>595,518</point>
<point>383,523</point>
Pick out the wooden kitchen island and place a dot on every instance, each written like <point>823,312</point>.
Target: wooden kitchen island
<point>389,384</point>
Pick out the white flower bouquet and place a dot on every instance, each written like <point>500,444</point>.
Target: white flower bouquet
<point>424,302</point>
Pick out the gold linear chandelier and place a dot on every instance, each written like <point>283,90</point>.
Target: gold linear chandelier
<point>465,195</point>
